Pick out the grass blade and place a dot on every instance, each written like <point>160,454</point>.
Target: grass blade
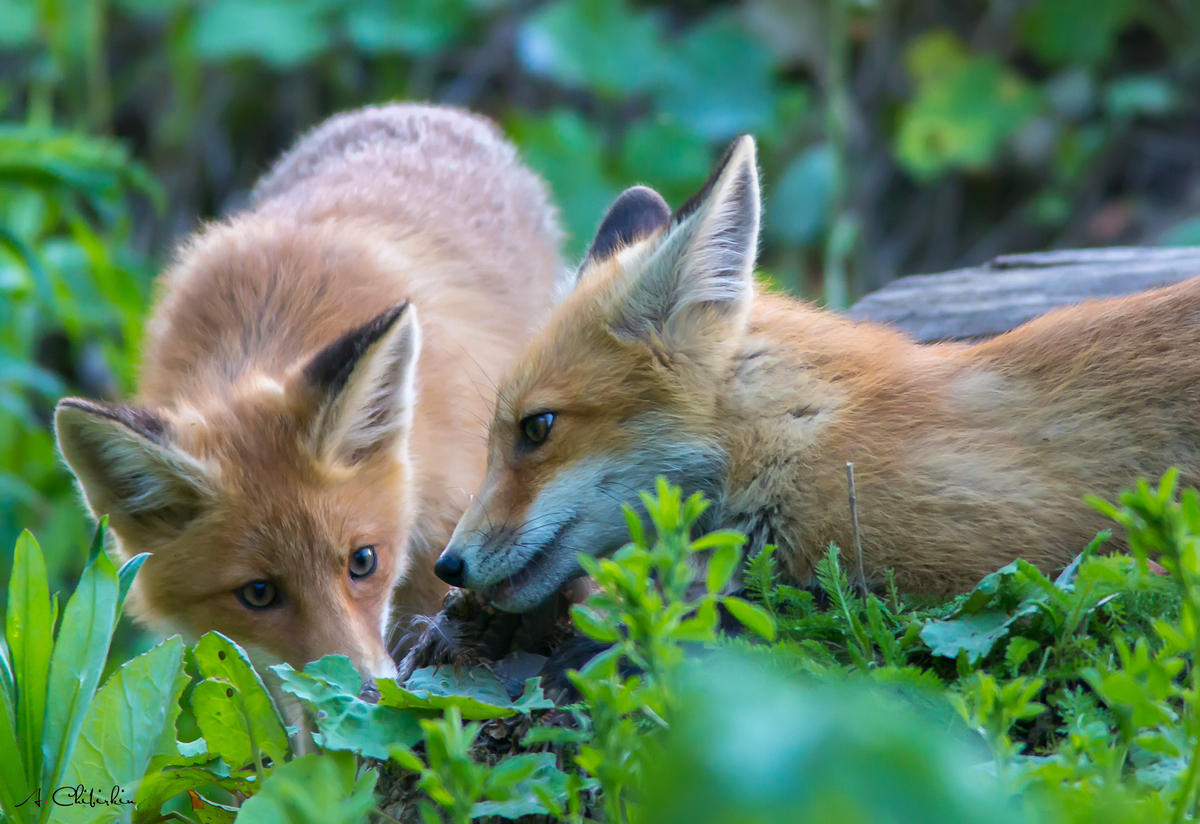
<point>29,631</point>
<point>76,665</point>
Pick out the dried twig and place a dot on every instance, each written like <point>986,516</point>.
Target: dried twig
<point>862,575</point>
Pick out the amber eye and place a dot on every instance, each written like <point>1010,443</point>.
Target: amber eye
<point>536,428</point>
<point>363,561</point>
<point>258,595</point>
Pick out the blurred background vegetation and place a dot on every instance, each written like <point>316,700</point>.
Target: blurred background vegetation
<point>897,136</point>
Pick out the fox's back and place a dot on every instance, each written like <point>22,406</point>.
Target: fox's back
<point>373,208</point>
<point>965,455</point>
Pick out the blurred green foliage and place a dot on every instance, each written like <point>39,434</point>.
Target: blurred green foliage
<point>896,136</point>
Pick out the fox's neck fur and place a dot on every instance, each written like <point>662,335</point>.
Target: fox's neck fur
<point>961,452</point>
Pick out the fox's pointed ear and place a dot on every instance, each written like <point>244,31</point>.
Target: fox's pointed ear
<point>366,380</point>
<point>703,267</point>
<point>635,215</point>
<point>128,467</point>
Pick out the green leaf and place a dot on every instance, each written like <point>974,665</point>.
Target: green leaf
<point>170,780</point>
<point>476,692</point>
<point>568,152</point>
<point>721,566</point>
<point>282,34</point>
<point>29,632</point>
<point>224,722</point>
<point>799,202</point>
<point>122,728</point>
<point>13,782</point>
<point>219,657</point>
<point>593,44</point>
<point>510,787</point>
<point>592,624</point>
<point>126,574</point>
<point>965,107</point>
<point>317,788</point>
<point>208,811</point>
<point>76,665</point>
<point>663,154</point>
<point>1145,95</point>
<point>722,83</point>
<point>1018,650</point>
<point>419,27</point>
<point>754,617</point>
<point>18,24</point>
<point>346,722</point>
<point>403,755</point>
<point>975,634</point>
<point>1074,32</point>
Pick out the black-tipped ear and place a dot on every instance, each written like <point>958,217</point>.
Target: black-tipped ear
<point>128,467</point>
<point>367,382</point>
<point>330,369</point>
<point>636,214</point>
<point>701,271</point>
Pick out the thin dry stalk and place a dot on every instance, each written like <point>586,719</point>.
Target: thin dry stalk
<point>862,575</point>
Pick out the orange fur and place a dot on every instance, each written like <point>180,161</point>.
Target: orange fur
<point>252,463</point>
<point>965,456</point>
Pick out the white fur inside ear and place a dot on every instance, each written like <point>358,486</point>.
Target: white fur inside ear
<point>375,407</point>
<point>127,474</point>
<point>706,258</point>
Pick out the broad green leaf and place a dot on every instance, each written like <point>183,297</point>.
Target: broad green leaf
<point>1074,32</point>
<point>476,692</point>
<point>29,632</point>
<point>799,201</point>
<point>668,157</point>
<point>162,785</point>
<point>223,719</point>
<point>346,722</point>
<point>975,634</point>
<point>122,728</point>
<point>219,657</point>
<point>568,152</point>
<point>754,617</point>
<point>965,107</point>
<point>721,83</point>
<point>208,811</point>
<point>721,565</point>
<point>77,664</point>
<point>600,45</point>
<point>18,24</point>
<point>282,34</point>
<point>315,788</point>
<point>420,27</point>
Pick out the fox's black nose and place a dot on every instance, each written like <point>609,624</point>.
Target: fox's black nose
<point>451,568</point>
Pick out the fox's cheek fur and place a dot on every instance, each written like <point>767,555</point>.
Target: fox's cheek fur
<point>577,510</point>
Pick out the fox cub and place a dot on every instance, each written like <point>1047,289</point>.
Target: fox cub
<point>667,359</point>
<point>317,377</point>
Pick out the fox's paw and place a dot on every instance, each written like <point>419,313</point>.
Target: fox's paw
<point>466,632</point>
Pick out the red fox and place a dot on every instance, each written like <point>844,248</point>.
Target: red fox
<point>667,359</point>
<point>317,377</point>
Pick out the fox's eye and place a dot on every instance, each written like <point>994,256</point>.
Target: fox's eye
<point>362,562</point>
<point>535,428</point>
<point>258,595</point>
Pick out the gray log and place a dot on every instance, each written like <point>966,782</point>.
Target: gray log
<point>1004,293</point>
